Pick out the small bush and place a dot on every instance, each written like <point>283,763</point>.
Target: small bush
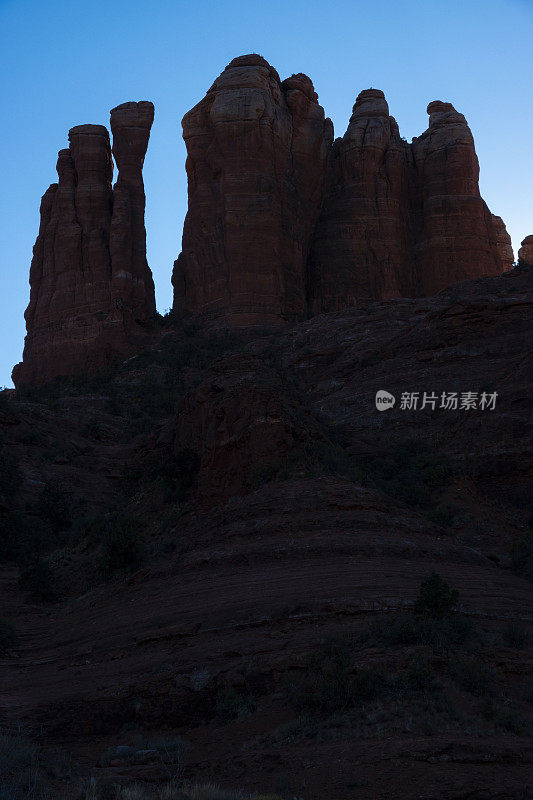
<point>176,471</point>
<point>22,537</point>
<point>8,636</point>
<point>522,554</point>
<point>38,579</point>
<point>330,685</point>
<point>412,471</point>
<point>505,719</point>
<point>20,773</point>
<point>435,598</point>
<point>264,473</point>
<point>516,635</point>
<point>10,477</point>
<point>416,680</point>
<point>399,630</point>
<point>232,705</point>
<point>54,506</point>
<point>334,458</point>
<point>472,675</point>
<point>122,546</point>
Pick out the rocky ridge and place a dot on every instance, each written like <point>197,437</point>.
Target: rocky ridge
<point>283,222</point>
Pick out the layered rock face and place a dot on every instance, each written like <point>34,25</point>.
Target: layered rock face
<point>525,254</point>
<point>256,157</point>
<point>400,219</point>
<point>361,246</point>
<point>460,239</point>
<point>395,219</point>
<point>92,292</point>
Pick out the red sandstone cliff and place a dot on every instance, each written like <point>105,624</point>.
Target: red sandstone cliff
<point>282,221</point>
<point>256,155</point>
<point>361,245</point>
<point>460,238</point>
<point>92,292</point>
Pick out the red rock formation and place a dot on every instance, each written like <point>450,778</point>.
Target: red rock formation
<point>91,290</point>
<point>460,239</point>
<point>131,277</point>
<point>395,219</point>
<point>361,244</point>
<point>525,254</point>
<point>502,243</point>
<point>256,154</point>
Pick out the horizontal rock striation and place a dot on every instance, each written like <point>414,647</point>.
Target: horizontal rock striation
<point>92,293</point>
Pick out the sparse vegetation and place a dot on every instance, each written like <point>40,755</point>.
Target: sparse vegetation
<point>472,675</point>
<point>176,471</point>
<point>233,705</point>
<point>118,534</point>
<point>516,635</point>
<point>38,579</point>
<point>436,599</point>
<point>8,636</point>
<point>9,472</point>
<point>522,554</point>
<point>21,775</point>
<point>399,630</point>
<point>54,506</point>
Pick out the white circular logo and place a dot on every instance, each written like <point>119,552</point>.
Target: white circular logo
<point>384,400</point>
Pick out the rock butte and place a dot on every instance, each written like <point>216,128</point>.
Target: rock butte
<point>283,221</point>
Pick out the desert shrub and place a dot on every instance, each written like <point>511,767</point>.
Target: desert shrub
<point>38,579</point>
<point>176,471</point>
<point>447,515</point>
<point>472,675</point>
<point>436,598</point>
<point>264,473</point>
<point>330,685</point>
<point>54,506</point>
<point>515,635</point>
<point>411,471</point>
<point>10,477</point>
<point>399,630</point>
<point>20,774</point>
<point>417,679</point>
<point>233,705</point>
<point>522,554</point>
<point>119,535</point>
<point>25,537</point>
<point>505,719</point>
<point>8,636</point>
<point>334,458</point>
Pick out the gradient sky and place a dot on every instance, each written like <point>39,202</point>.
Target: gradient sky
<point>63,63</point>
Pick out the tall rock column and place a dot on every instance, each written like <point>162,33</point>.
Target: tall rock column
<point>256,154</point>
<point>79,318</point>
<point>460,239</point>
<point>361,247</point>
<point>132,283</point>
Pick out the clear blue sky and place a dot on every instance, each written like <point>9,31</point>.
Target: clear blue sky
<point>63,63</point>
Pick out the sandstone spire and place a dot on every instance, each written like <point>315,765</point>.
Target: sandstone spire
<point>256,156</point>
<point>91,292</point>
